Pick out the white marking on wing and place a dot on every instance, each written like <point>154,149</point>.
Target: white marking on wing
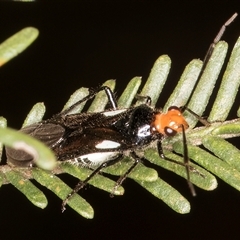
<point>97,158</point>
<point>106,144</point>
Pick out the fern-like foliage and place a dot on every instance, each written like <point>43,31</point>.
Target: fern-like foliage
<point>222,159</point>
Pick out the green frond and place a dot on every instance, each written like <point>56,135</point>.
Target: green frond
<point>222,159</point>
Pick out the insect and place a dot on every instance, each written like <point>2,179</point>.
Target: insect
<point>102,139</point>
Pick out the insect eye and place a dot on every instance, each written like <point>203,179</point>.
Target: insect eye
<point>170,132</point>
<point>174,108</point>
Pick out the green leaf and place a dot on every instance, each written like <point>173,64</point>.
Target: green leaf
<point>99,181</point>
<point>229,87</point>
<point>34,195</point>
<point>218,146</point>
<point>35,115</point>
<point>129,93</point>
<point>203,91</point>
<point>140,172</point>
<point>213,164</point>
<point>17,44</point>
<point>57,186</point>
<point>157,78</point>
<point>167,194</point>
<point>42,155</point>
<point>75,97</point>
<point>184,88</point>
<point>205,181</point>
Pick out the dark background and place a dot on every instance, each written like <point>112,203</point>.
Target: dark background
<point>84,43</point>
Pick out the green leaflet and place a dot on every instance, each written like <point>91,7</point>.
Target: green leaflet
<point>17,44</point>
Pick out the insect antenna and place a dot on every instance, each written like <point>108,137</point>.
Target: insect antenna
<point>209,54</point>
<point>186,162</point>
<point>185,107</point>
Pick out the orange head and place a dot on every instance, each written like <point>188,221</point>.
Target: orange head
<point>169,123</point>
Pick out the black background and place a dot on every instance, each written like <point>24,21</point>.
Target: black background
<point>84,43</point>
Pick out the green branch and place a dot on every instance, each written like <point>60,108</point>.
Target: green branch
<point>222,159</point>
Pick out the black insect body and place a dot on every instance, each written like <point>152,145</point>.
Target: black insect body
<point>79,135</point>
<point>108,134</point>
<point>101,138</point>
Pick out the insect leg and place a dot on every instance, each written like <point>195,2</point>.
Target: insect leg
<point>119,182</point>
<point>82,184</point>
<point>185,163</point>
<point>147,99</point>
<point>92,94</point>
<point>200,119</point>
